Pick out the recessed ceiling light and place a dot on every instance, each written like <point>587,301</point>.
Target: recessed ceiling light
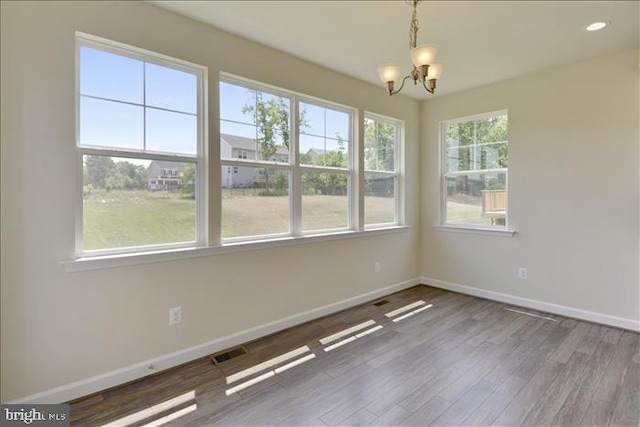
<point>595,26</point>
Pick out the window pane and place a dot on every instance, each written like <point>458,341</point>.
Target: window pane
<point>312,120</point>
<point>171,89</point>
<point>459,159</point>
<point>492,129</point>
<point>337,124</point>
<point>232,146</point>
<point>460,134</point>
<point>133,202</point>
<point>336,153</point>
<point>379,146</point>
<point>272,144</point>
<point>451,137</point>
<point>111,124</point>
<point>234,100</point>
<point>312,150</point>
<point>379,200</point>
<point>255,121</point>
<point>491,156</point>
<point>111,76</point>
<point>171,132</point>
<point>237,129</point>
<point>255,201</point>
<point>322,152</point>
<point>324,201</point>
<point>470,145</point>
<point>477,198</point>
<point>324,136</point>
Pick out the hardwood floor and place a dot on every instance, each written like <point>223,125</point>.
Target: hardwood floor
<point>462,361</point>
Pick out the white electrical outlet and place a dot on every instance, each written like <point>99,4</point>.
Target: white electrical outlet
<point>175,315</point>
<point>522,273</point>
<point>376,267</point>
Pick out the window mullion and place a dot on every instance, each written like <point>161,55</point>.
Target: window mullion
<point>356,178</point>
<point>295,195</point>
<point>136,154</point>
<point>144,105</point>
<point>202,171</point>
<point>400,179</point>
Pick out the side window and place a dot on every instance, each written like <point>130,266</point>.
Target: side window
<point>475,157</point>
<point>382,139</point>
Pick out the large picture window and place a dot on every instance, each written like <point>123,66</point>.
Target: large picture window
<point>475,159</point>
<point>288,162</point>
<point>139,145</point>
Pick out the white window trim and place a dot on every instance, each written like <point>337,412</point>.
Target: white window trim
<point>174,254</point>
<point>200,159</point>
<point>500,230</point>
<point>489,231</point>
<point>398,171</point>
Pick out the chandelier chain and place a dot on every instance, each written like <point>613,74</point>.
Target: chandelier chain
<point>413,30</point>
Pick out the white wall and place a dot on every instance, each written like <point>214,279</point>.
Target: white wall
<point>58,327</point>
<point>573,190</point>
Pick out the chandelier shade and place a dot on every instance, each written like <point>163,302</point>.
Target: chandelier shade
<point>389,72</point>
<point>423,55</point>
<point>435,70</point>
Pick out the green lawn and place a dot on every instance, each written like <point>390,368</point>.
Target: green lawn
<point>135,218</point>
<point>464,213</point>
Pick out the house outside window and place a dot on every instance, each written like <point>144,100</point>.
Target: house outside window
<point>140,127</point>
<point>475,170</point>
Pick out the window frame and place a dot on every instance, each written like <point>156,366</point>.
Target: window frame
<point>444,174</point>
<point>397,173</point>
<point>200,159</point>
<point>294,167</point>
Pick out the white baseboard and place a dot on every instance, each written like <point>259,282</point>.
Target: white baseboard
<point>576,313</point>
<point>167,361</point>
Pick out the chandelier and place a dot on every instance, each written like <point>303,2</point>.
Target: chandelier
<point>424,70</point>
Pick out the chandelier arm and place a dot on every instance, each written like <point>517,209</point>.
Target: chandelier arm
<point>401,86</point>
<point>432,90</point>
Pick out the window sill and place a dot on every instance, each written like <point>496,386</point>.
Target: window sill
<point>123,260</point>
<point>475,230</point>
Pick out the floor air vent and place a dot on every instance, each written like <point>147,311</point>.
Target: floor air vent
<point>381,302</point>
<point>223,356</point>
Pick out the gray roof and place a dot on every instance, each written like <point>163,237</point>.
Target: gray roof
<point>244,143</point>
<point>315,152</point>
<point>240,142</point>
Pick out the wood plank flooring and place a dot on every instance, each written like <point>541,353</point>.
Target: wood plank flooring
<point>463,361</point>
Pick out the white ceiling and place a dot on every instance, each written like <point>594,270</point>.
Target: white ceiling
<point>480,42</point>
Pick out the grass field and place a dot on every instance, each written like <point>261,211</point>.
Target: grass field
<point>463,213</point>
<point>135,218</point>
